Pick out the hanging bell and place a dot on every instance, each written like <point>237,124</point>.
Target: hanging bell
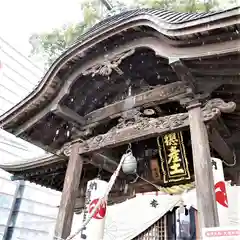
<point>130,163</point>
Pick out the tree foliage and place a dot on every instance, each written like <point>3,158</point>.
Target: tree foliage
<point>48,46</point>
<point>181,5</point>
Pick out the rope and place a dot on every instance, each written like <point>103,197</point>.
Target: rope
<point>169,190</point>
<point>102,200</point>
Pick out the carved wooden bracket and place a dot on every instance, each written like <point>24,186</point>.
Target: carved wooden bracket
<point>143,128</point>
<point>221,105</point>
<point>108,65</point>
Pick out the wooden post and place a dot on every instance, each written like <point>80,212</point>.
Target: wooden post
<point>237,177</point>
<point>69,193</point>
<point>206,200</point>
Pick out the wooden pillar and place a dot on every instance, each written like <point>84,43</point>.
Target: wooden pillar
<point>202,168</point>
<point>69,193</point>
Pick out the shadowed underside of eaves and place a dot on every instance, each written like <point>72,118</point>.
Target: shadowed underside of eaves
<point>84,79</point>
<point>178,30</point>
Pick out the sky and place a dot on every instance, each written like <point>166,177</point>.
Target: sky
<point>20,18</point>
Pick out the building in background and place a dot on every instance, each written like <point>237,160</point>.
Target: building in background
<point>27,211</point>
<point>18,77</point>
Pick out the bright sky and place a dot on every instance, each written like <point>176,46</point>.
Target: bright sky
<point>20,18</point>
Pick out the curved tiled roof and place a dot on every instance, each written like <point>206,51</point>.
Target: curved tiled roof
<point>169,20</point>
<point>162,15</point>
<point>165,22</point>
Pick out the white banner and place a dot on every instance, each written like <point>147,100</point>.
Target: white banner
<point>94,230</point>
<point>220,191</point>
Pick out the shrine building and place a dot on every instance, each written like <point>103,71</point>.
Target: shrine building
<point>164,85</point>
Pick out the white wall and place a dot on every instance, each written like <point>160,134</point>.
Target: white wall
<point>7,190</point>
<point>35,216</point>
<point>18,77</point>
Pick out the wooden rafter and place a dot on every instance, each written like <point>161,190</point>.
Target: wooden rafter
<point>195,84</point>
<point>183,73</point>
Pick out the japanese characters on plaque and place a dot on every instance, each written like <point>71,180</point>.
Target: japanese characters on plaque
<point>174,163</point>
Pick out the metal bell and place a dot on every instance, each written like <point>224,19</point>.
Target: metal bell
<point>130,163</point>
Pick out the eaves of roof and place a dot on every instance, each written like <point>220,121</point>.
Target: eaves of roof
<point>32,163</point>
<point>166,22</point>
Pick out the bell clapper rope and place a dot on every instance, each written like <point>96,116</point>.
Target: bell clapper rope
<point>105,196</point>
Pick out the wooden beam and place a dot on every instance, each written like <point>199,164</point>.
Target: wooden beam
<point>68,114</point>
<point>145,128</point>
<point>218,143</point>
<point>206,200</point>
<point>160,94</point>
<point>238,178</point>
<point>183,73</point>
<point>69,193</point>
<point>103,161</point>
<point>222,128</point>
